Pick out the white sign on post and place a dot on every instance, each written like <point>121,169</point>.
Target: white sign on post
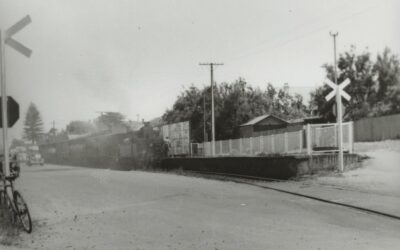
<point>14,43</point>
<point>339,93</point>
<point>339,88</point>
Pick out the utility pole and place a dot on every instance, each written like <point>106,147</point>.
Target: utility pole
<point>338,106</point>
<point>212,103</point>
<point>204,117</point>
<point>53,128</point>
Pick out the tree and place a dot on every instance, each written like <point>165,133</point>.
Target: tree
<point>374,86</point>
<point>108,120</point>
<point>33,125</point>
<point>288,106</point>
<point>239,103</point>
<point>189,107</point>
<point>235,103</point>
<point>387,70</point>
<point>52,132</point>
<point>79,127</point>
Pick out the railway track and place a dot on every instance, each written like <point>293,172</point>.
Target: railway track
<point>249,180</point>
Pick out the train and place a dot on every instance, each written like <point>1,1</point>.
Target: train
<point>142,149</point>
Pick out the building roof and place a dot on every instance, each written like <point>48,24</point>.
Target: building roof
<point>315,117</point>
<point>292,121</point>
<point>259,119</point>
<point>305,119</point>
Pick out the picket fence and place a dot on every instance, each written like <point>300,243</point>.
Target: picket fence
<point>312,139</point>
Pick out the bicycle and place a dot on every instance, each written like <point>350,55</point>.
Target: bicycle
<point>13,200</point>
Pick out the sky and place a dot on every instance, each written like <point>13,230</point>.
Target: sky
<point>135,57</point>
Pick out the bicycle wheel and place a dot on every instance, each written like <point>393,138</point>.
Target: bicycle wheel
<point>23,212</point>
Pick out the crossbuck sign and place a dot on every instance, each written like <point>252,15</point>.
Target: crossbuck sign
<point>338,88</point>
<point>10,41</point>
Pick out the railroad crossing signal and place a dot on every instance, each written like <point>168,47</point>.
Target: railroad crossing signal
<point>336,88</point>
<point>12,112</point>
<point>14,43</point>
<point>9,107</point>
<point>339,93</point>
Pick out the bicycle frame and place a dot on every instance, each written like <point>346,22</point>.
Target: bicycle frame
<point>8,189</point>
<point>17,207</point>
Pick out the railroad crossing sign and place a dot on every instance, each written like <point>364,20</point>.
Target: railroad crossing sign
<point>12,112</point>
<point>337,88</point>
<point>9,107</point>
<point>339,93</point>
<point>10,41</point>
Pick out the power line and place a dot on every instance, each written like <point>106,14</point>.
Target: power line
<point>254,49</point>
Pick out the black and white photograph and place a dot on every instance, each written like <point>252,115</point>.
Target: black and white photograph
<point>208,125</point>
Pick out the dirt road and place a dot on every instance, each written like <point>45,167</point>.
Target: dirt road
<point>81,208</point>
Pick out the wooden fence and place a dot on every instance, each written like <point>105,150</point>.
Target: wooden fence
<point>377,128</point>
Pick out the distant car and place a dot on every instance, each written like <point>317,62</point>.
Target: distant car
<point>35,159</point>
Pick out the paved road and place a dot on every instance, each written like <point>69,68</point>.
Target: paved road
<point>81,208</point>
